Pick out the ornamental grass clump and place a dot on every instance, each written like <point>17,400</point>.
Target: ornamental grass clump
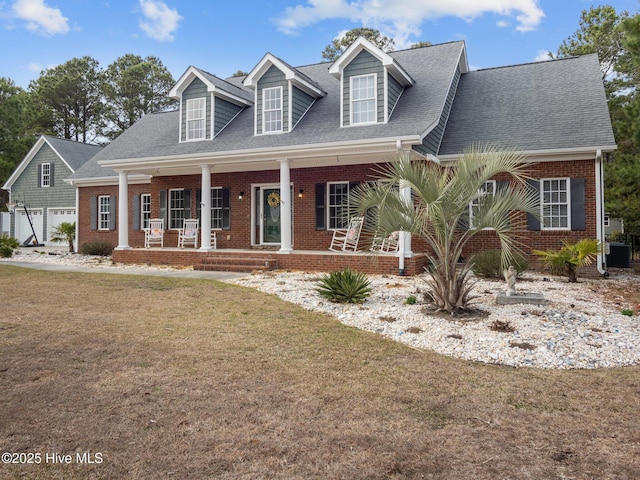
<point>344,286</point>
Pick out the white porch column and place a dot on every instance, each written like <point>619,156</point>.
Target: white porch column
<point>404,250</point>
<point>123,211</point>
<point>285,207</point>
<point>205,208</point>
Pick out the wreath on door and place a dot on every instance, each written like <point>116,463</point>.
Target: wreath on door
<point>273,200</point>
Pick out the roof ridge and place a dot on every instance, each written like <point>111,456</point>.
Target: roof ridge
<point>539,62</point>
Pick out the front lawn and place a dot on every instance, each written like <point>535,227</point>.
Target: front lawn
<point>176,378</point>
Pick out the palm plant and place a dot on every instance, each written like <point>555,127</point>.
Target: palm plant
<point>570,257</point>
<point>65,232</point>
<point>439,212</point>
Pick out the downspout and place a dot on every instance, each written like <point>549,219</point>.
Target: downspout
<point>601,262</point>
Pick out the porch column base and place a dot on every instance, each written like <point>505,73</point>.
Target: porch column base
<point>285,250</point>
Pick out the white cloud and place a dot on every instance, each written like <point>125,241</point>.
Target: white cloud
<point>402,18</point>
<point>40,18</point>
<point>160,22</point>
<point>543,55</point>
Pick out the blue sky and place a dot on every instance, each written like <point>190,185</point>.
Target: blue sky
<point>222,37</point>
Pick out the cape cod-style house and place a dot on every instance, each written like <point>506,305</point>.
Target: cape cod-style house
<point>43,199</point>
<point>267,161</point>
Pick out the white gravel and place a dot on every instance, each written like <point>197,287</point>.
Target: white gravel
<point>581,325</point>
<point>577,328</point>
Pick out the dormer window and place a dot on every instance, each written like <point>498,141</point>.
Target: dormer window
<point>196,109</point>
<point>363,99</point>
<point>272,110</point>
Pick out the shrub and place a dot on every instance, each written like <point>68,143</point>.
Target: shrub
<point>411,300</point>
<point>7,245</point>
<point>570,257</point>
<point>487,263</point>
<point>101,248</point>
<point>344,286</point>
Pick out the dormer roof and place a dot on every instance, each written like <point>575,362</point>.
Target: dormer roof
<point>296,77</point>
<point>215,85</point>
<point>392,66</point>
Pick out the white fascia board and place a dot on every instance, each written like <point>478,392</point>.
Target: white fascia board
<point>387,61</point>
<point>133,179</point>
<point>192,73</point>
<point>269,60</point>
<point>552,154</point>
<point>266,154</point>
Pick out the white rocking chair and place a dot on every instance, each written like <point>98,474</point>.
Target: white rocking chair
<point>389,244</point>
<point>347,239</point>
<point>188,234</point>
<point>154,233</point>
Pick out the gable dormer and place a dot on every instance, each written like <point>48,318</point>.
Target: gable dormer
<point>282,95</point>
<point>371,83</point>
<point>207,104</point>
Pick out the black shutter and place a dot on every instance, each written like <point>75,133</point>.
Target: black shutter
<point>578,205</point>
<point>226,208</point>
<point>533,222</point>
<point>136,212</point>
<point>321,198</point>
<point>199,204</point>
<point>112,213</point>
<point>51,172</point>
<point>187,203</point>
<point>94,213</point>
<point>163,208</point>
<point>39,175</point>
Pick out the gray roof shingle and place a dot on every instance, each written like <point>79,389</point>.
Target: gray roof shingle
<point>74,153</point>
<point>557,104</point>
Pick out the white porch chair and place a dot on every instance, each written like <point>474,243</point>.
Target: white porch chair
<point>389,244</point>
<point>346,239</point>
<point>188,234</point>
<point>214,240</point>
<point>154,233</point>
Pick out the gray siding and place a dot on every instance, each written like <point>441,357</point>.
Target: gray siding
<point>363,64</point>
<point>224,112</point>
<point>273,78</point>
<point>395,90</point>
<point>301,103</point>
<point>60,195</point>
<point>196,89</point>
<point>431,143</point>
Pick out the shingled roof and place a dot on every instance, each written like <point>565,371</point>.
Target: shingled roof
<point>557,104</point>
<point>553,105</point>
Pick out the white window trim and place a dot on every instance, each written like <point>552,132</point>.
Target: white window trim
<point>375,99</point>
<point>330,205</point>
<point>281,109</point>
<point>542,204</point>
<point>144,224</point>
<point>190,103</point>
<point>44,175</point>
<point>170,210</point>
<point>215,208</point>
<point>104,214</point>
<point>481,194</point>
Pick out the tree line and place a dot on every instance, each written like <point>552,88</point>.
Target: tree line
<point>78,100</point>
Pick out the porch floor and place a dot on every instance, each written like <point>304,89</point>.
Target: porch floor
<point>248,260</point>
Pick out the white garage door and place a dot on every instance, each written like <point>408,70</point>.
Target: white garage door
<point>23,229</point>
<point>56,217</point>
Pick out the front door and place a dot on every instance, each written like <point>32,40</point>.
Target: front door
<point>267,211</point>
<point>270,215</point>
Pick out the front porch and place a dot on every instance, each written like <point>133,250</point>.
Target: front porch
<point>248,260</point>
